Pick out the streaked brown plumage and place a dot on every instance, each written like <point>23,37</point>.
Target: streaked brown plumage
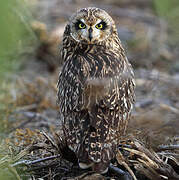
<point>96,88</point>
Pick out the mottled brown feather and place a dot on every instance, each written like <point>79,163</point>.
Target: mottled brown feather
<point>95,92</point>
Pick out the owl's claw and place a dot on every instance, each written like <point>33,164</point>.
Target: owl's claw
<point>85,165</point>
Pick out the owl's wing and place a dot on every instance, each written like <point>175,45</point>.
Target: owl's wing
<point>90,79</point>
<point>71,85</point>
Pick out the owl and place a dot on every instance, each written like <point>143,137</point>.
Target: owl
<point>95,88</point>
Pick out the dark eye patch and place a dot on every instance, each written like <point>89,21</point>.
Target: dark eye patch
<point>78,23</point>
<point>104,25</point>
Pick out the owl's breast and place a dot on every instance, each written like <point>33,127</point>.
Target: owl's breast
<point>92,78</point>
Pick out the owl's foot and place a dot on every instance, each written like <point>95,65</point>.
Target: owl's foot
<point>96,167</point>
<point>85,165</point>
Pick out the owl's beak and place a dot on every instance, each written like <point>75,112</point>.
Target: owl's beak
<point>90,30</point>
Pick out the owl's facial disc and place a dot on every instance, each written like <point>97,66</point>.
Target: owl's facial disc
<point>90,32</point>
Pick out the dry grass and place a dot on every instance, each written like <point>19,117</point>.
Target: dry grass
<point>41,155</point>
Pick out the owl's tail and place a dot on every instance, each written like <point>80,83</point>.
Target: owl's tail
<point>95,153</point>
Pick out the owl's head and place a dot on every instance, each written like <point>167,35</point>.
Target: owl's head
<point>91,25</point>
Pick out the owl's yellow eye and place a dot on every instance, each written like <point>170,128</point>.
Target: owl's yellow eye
<point>82,26</point>
<point>99,26</point>
<point>79,25</point>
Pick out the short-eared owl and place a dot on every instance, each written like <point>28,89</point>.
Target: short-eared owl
<point>95,88</point>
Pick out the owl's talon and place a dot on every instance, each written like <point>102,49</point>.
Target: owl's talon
<point>85,165</point>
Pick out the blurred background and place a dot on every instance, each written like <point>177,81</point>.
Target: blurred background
<point>30,37</point>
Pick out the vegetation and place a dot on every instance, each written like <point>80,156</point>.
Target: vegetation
<point>169,10</point>
<point>14,37</point>
<point>29,129</point>
<point>14,34</point>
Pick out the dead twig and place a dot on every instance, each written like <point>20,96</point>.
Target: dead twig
<point>121,160</point>
<point>170,108</point>
<point>168,147</point>
<point>32,116</point>
<point>117,170</point>
<point>26,108</point>
<point>50,140</point>
<point>29,163</point>
<point>150,164</point>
